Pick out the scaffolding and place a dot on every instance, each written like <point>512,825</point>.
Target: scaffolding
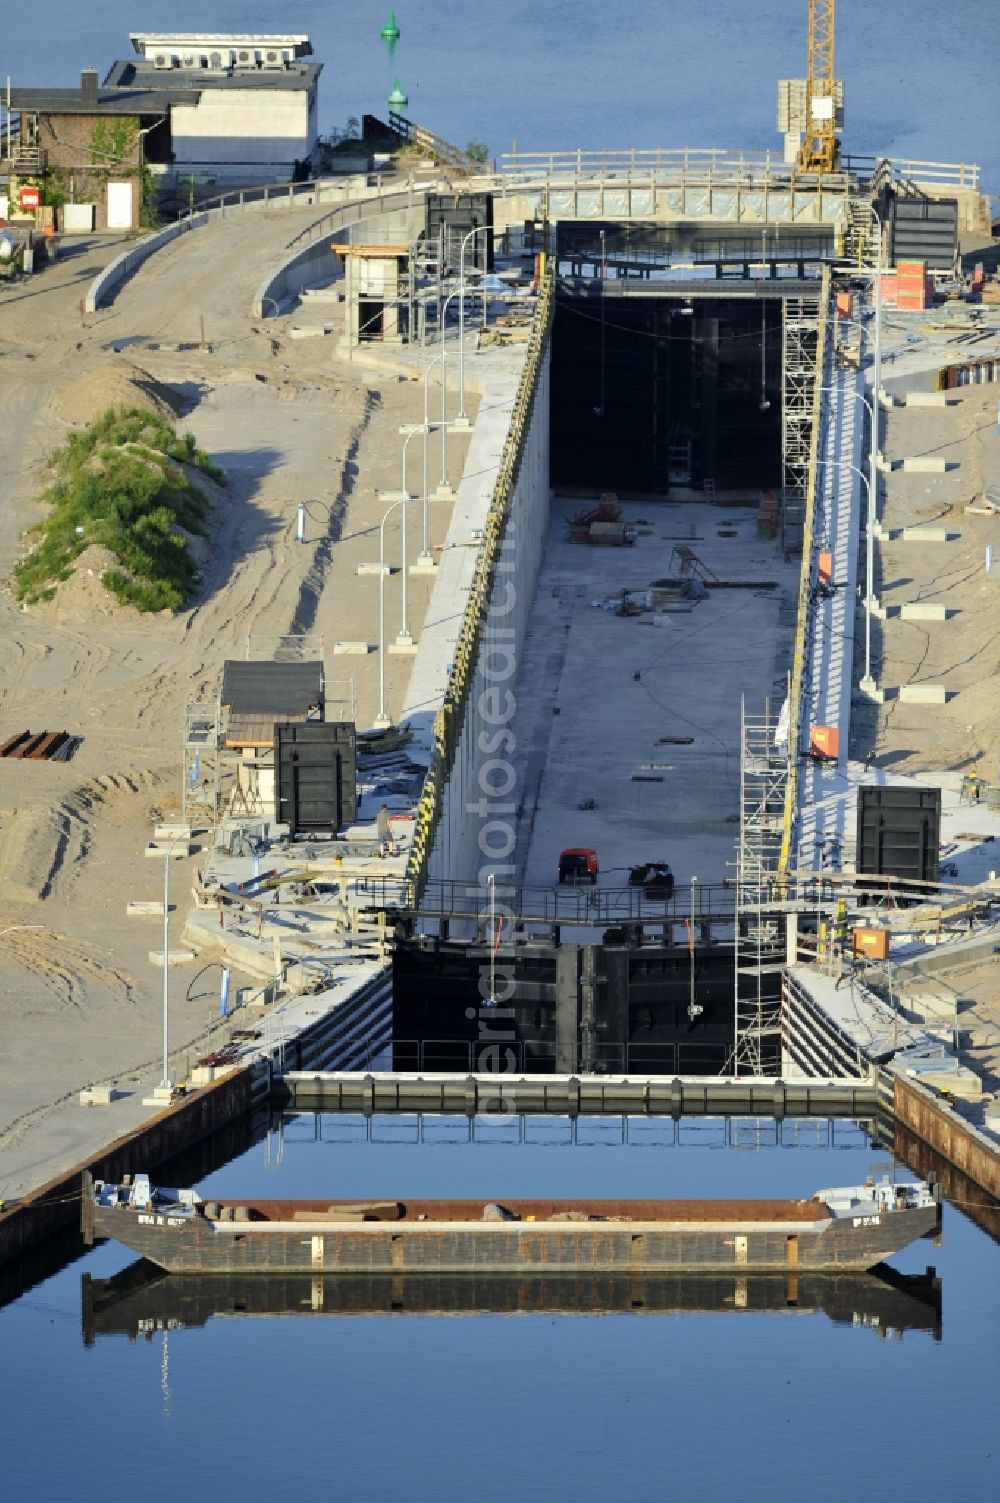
<point>799,339</point>
<point>757,940</point>
<point>201,789</point>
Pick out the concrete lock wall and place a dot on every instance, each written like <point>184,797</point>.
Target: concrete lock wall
<point>956,1140</point>
<point>467,810</point>
<point>477,823</point>
<point>57,1204</point>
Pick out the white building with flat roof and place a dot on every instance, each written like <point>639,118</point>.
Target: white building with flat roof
<point>242,107</point>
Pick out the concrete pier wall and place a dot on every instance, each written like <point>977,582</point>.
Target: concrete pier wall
<point>467,814</point>
<point>476,810</point>
<point>56,1205</point>
<point>963,1145</point>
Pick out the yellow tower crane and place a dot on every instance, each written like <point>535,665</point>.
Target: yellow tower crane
<point>820,148</point>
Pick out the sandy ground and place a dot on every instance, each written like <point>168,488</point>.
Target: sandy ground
<point>962,652</point>
<point>79,999</point>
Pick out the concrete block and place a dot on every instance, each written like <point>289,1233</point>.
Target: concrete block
<point>927,464</point>
<point>140,909</point>
<point>925,535</point>
<point>174,957</point>
<point>921,611</point>
<point>163,849</point>
<point>385,569</point>
<point>402,649</point>
<point>162,1096</point>
<point>171,832</point>
<point>926,399</point>
<point>352,649</point>
<point>308,331</point>
<point>923,694</point>
<point>97,1095</point>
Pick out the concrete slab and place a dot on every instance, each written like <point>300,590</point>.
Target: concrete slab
<point>142,909</point>
<point>174,957</point>
<point>163,850</point>
<point>927,399</point>
<point>97,1095</point>
<point>926,535</point>
<point>610,695</point>
<point>919,610</point>
<point>927,464</point>
<point>353,649</point>
<point>923,694</point>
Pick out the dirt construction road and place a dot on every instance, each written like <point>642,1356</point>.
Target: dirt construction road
<point>79,1000</point>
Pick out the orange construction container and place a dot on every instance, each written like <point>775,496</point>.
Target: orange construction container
<point>824,568</point>
<point>845,304</point>
<point>872,943</point>
<point>824,742</point>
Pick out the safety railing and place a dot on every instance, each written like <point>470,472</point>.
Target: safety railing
<point>725,166</point>
<point>272,195</point>
<point>568,904</point>
<point>442,150</point>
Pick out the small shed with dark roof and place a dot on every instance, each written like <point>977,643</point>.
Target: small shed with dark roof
<point>255,694</point>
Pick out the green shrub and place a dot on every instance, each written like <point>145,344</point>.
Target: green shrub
<point>116,484</point>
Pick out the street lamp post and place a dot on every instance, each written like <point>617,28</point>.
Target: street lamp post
<point>425,559</point>
<point>405,638</point>
<point>479,230</point>
<point>165,1083</point>
<point>382,719</point>
<point>692,1005</point>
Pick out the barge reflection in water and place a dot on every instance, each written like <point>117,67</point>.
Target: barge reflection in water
<point>142,1299</point>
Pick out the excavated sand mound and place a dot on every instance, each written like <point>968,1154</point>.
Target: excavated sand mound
<point>118,383</point>
<point>82,597</point>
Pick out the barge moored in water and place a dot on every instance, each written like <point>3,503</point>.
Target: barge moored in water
<point>849,1228</point>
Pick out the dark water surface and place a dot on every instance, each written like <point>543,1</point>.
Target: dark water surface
<point>644,1406</point>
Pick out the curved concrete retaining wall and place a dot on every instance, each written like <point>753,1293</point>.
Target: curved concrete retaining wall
<point>315,263</point>
<point>102,289</point>
<point>268,200</point>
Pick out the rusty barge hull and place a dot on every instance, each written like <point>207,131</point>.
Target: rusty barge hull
<point>451,1237</point>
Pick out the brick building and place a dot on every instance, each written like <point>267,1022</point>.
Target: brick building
<point>188,113</point>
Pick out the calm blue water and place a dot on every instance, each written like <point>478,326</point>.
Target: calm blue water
<point>644,1407</point>
<point>920,76</point>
